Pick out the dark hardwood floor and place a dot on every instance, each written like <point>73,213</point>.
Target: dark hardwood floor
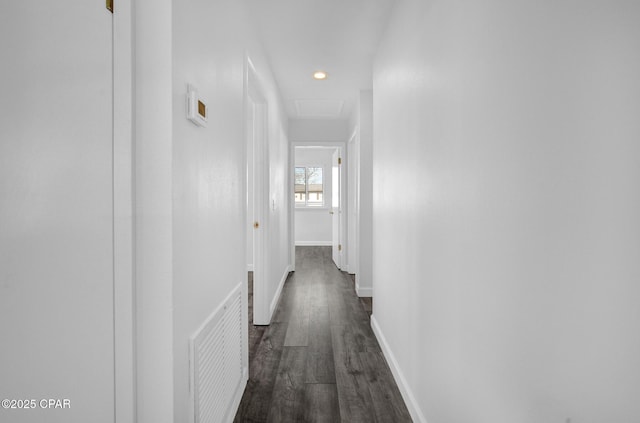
<point>319,360</point>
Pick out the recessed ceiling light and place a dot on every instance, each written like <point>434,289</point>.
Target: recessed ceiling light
<point>320,75</point>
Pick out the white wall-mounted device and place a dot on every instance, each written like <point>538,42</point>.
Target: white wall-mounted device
<point>197,111</point>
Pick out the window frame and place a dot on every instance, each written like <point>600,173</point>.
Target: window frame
<point>306,204</point>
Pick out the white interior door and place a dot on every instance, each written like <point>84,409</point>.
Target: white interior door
<point>56,213</point>
<point>259,210</point>
<point>250,184</point>
<point>336,207</point>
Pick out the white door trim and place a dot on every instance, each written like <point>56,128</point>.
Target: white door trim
<point>338,253</point>
<point>292,208</point>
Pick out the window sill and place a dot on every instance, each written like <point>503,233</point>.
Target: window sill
<point>307,208</point>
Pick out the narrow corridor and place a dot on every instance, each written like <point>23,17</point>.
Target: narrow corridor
<point>319,360</point>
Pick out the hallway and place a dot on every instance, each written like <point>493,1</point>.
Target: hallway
<point>319,360</point>
<point>487,186</point>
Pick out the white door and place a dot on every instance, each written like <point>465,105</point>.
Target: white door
<point>259,204</point>
<point>336,207</point>
<point>56,212</point>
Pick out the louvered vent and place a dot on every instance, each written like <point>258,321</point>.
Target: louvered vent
<point>216,362</point>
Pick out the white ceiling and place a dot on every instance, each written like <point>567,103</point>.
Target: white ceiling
<point>337,36</point>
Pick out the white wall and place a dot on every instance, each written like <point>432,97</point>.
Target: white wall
<point>208,172</point>
<point>353,183</point>
<point>280,253</point>
<point>313,225</point>
<point>361,124</point>
<point>210,43</point>
<point>191,200</point>
<point>506,204</point>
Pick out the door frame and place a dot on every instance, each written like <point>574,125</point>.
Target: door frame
<point>339,220</point>
<point>343,190</point>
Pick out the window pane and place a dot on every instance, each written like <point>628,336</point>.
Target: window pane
<point>314,175</point>
<point>315,186</point>
<point>300,186</point>
<point>300,179</point>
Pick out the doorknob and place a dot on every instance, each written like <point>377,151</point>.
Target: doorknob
<point>331,212</point>
<point>256,225</point>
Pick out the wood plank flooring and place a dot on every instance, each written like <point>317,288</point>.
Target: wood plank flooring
<point>319,360</point>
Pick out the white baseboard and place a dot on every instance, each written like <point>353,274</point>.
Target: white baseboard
<point>276,297</point>
<point>314,243</point>
<point>363,292</point>
<point>405,390</point>
<point>237,397</point>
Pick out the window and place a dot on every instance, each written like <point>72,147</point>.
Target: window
<point>309,187</point>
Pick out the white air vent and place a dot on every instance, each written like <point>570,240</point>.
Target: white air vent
<point>216,362</point>
<point>319,108</point>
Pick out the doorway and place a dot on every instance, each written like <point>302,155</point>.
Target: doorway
<point>319,198</point>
